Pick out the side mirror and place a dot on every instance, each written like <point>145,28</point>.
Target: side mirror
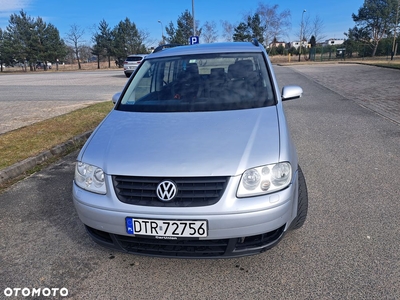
<point>290,92</point>
<point>116,97</point>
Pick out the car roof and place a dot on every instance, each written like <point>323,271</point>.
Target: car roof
<point>228,47</point>
<point>133,55</point>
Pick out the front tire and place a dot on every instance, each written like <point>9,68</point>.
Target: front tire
<point>302,207</point>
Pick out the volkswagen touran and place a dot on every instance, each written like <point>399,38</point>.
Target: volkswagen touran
<point>195,160</point>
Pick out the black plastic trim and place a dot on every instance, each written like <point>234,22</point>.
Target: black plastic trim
<point>202,248</point>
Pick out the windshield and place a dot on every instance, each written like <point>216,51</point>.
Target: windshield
<point>211,82</point>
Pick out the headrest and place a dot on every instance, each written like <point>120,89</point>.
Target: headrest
<point>240,69</point>
<point>217,72</point>
<point>192,68</point>
<point>246,65</point>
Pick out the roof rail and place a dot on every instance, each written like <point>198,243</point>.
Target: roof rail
<point>255,42</point>
<point>165,46</point>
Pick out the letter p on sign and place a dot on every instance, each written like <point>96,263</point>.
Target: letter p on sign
<point>194,40</point>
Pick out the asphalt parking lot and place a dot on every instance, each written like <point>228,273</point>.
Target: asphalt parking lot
<point>347,249</point>
<point>372,87</point>
<point>29,98</point>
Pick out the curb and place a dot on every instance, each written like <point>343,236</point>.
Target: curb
<point>24,166</point>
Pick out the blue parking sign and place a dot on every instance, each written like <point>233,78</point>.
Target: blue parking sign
<point>194,40</point>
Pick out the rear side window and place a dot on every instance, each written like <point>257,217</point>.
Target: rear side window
<point>212,82</point>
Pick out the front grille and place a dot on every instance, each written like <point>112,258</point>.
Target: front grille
<point>192,191</point>
<point>174,248</point>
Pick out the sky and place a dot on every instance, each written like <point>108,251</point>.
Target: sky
<point>146,14</point>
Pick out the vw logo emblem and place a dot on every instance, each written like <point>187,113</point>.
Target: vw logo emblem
<point>166,190</point>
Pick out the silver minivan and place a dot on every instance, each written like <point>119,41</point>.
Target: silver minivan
<point>195,159</point>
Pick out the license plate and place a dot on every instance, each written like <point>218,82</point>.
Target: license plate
<point>166,228</point>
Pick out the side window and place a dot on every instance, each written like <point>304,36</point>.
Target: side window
<point>155,79</point>
<point>163,74</point>
<point>168,72</point>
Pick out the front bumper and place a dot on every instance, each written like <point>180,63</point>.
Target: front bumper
<point>202,248</point>
<point>248,228</point>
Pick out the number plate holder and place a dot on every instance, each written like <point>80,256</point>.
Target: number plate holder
<point>166,228</point>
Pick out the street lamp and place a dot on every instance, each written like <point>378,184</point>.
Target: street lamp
<point>194,22</point>
<point>301,32</point>
<point>162,31</point>
<point>395,27</point>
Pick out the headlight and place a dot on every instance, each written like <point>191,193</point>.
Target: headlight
<point>265,179</point>
<point>90,178</point>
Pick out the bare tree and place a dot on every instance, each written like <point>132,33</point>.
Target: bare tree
<point>228,30</point>
<point>317,29</point>
<point>209,33</point>
<point>306,32</point>
<point>85,53</point>
<point>74,37</point>
<point>145,36</point>
<point>311,28</point>
<point>275,24</point>
<point>305,27</point>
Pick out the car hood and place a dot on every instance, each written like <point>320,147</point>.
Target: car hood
<point>184,144</point>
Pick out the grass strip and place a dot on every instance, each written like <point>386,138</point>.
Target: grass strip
<point>31,140</point>
<point>387,65</point>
